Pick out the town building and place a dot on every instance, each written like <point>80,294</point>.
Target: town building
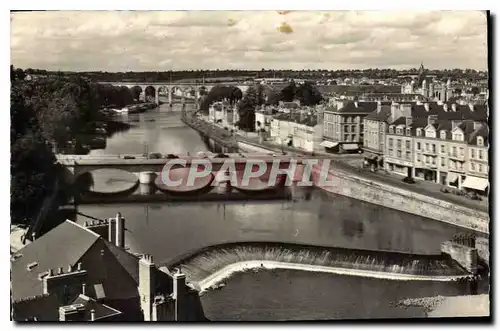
<point>478,162</point>
<point>343,128</point>
<point>439,143</point>
<point>84,273</point>
<point>299,130</point>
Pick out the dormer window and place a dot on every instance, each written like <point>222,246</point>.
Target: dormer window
<point>443,134</point>
<point>480,141</point>
<point>430,134</point>
<point>419,132</point>
<point>391,129</point>
<point>458,137</point>
<point>399,131</point>
<point>408,131</point>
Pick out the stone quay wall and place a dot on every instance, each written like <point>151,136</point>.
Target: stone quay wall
<point>340,182</point>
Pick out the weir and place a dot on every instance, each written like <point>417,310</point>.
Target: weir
<point>202,264</point>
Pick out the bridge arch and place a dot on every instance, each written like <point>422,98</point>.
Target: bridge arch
<point>136,91</point>
<point>151,93</point>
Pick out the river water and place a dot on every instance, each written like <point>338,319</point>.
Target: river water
<point>167,230</point>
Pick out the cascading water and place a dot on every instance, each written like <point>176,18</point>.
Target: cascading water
<point>202,265</point>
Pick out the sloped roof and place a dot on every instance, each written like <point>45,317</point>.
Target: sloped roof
<point>62,246</point>
<point>350,107</point>
<point>482,131</point>
<point>383,115</point>
<point>101,311</point>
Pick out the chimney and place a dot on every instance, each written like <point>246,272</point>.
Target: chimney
<point>431,119</point>
<point>409,121</point>
<point>471,107</point>
<point>445,107</point>
<point>146,285</point>
<point>179,295</point>
<point>379,107</point>
<point>79,266</point>
<point>477,125</point>
<point>426,105</point>
<point>33,236</point>
<point>120,231</point>
<point>454,107</point>
<point>83,289</point>
<point>92,315</point>
<point>356,104</point>
<point>59,271</point>
<point>112,230</point>
<point>419,103</point>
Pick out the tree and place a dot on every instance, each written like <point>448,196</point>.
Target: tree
<point>308,95</point>
<point>475,90</point>
<point>135,92</point>
<point>246,109</point>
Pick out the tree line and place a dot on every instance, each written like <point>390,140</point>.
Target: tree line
<point>47,112</point>
<point>238,75</point>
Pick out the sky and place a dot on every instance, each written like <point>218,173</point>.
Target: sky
<point>191,40</point>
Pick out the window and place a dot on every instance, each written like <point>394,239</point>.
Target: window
<point>480,152</point>
<point>458,137</point>
<point>442,162</point>
<point>433,160</point>
<point>426,147</point>
<point>430,133</point>
<point>347,128</point>
<point>391,129</point>
<point>399,131</point>
<point>353,128</point>
<point>346,137</point>
<point>419,132</point>
<point>408,131</point>
<point>390,142</point>
<point>353,137</point>
<point>408,155</point>
<point>443,134</point>
<point>399,154</point>
<point>480,167</point>
<point>433,148</point>
<point>407,144</point>
<point>399,143</point>
<point>480,141</point>
<point>472,166</point>
<point>418,157</point>
<point>454,153</point>
<point>472,153</point>
<point>461,151</point>
<point>442,149</point>
<point>418,145</point>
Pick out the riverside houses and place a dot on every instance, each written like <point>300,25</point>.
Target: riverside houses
<point>442,147</point>
<point>298,130</point>
<point>343,128</point>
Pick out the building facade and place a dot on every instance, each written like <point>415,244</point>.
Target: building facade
<point>343,127</point>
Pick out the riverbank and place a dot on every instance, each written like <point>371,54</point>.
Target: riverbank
<point>458,306</point>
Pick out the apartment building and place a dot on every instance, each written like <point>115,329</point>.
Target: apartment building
<point>297,130</point>
<point>477,166</point>
<point>399,146</point>
<point>343,128</point>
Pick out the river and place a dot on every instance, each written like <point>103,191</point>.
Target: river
<point>167,230</point>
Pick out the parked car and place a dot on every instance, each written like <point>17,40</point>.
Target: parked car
<point>409,180</point>
<point>155,156</point>
<point>171,156</point>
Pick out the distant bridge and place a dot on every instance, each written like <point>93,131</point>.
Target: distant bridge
<point>189,90</point>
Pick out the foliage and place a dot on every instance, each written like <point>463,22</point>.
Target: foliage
<point>306,93</point>
<point>219,93</point>
<point>246,108</point>
<point>44,111</point>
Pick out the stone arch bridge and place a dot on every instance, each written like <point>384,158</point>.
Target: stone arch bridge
<point>184,90</point>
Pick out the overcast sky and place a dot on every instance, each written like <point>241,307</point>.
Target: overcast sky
<point>176,40</point>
